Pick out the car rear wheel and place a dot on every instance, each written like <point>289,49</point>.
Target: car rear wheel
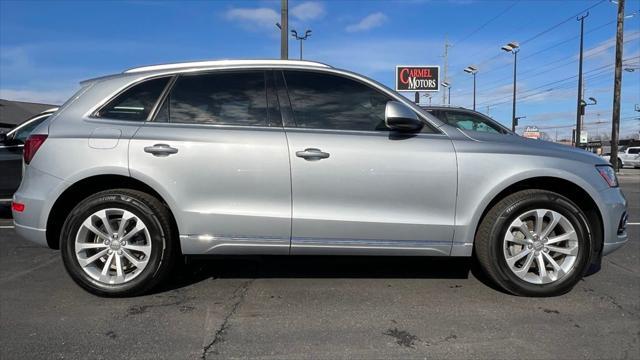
<point>118,243</point>
<point>534,243</point>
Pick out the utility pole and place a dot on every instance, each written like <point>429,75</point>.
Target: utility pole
<point>580,106</point>
<point>615,123</point>
<point>447,45</point>
<point>284,30</point>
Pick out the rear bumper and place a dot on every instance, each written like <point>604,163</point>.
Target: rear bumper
<point>38,236</point>
<point>37,192</point>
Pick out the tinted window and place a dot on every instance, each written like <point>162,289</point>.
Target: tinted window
<point>135,103</point>
<point>469,121</point>
<point>324,101</point>
<point>23,132</point>
<point>634,151</point>
<point>228,98</point>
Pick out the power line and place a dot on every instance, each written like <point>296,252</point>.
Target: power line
<point>487,23</point>
<point>541,33</point>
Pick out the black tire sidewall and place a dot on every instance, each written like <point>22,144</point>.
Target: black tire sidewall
<point>541,201</point>
<point>121,201</point>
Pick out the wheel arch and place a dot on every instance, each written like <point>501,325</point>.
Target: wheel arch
<point>72,195</point>
<point>571,190</point>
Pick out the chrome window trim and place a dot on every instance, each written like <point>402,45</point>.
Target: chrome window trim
<point>208,69</point>
<point>384,133</point>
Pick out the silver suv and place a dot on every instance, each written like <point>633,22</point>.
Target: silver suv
<point>299,158</point>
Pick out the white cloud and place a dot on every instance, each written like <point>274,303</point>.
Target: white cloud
<point>369,22</point>
<point>253,18</point>
<point>308,10</point>
<point>38,96</point>
<point>265,18</point>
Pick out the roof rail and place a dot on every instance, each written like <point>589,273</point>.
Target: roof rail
<point>215,63</point>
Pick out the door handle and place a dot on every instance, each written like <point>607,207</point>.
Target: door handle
<point>312,154</point>
<point>160,150</point>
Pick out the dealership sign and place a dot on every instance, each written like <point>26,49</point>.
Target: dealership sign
<point>531,132</point>
<point>417,78</point>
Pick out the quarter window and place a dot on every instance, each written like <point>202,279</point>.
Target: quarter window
<point>324,101</point>
<point>227,98</point>
<point>136,103</point>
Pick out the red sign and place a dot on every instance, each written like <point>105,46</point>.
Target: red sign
<point>417,78</point>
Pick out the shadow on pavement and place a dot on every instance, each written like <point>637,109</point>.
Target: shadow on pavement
<point>198,269</point>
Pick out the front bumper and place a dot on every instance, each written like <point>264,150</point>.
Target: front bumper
<point>613,207</point>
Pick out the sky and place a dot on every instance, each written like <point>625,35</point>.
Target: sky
<point>47,47</point>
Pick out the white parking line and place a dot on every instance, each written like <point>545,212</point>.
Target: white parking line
<point>635,224</point>
<point>7,227</point>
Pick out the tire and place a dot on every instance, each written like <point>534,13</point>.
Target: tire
<point>498,238</point>
<point>133,268</point>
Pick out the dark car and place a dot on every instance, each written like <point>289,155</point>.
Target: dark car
<point>11,147</point>
<point>466,119</point>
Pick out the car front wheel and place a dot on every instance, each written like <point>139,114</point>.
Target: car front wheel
<point>118,243</point>
<point>534,243</point>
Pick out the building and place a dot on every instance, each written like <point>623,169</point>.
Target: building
<point>13,113</point>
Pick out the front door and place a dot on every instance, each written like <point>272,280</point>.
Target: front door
<point>357,187</point>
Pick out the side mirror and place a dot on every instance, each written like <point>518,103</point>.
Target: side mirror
<point>399,117</point>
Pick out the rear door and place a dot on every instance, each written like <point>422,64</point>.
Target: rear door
<point>357,187</point>
<point>218,154</point>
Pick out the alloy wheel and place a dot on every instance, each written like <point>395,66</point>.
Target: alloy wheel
<point>541,246</point>
<point>113,246</point>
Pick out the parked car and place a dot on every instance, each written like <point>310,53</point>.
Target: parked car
<point>299,158</point>
<point>11,146</point>
<point>467,119</point>
<point>627,157</point>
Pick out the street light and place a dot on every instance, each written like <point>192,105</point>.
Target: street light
<point>513,48</point>
<point>429,97</point>
<point>473,71</point>
<point>448,86</point>
<point>301,38</point>
<point>631,69</point>
<point>580,108</point>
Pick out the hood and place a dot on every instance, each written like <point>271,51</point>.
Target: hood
<point>518,144</point>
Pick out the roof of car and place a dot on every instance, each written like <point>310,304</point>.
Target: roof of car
<point>221,63</point>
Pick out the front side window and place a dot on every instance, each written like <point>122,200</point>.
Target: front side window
<point>325,101</point>
<point>136,103</point>
<point>472,122</point>
<point>226,98</point>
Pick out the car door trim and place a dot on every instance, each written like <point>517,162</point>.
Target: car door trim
<point>197,244</point>
<point>321,246</point>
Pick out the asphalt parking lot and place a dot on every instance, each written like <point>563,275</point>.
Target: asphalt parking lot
<point>319,307</point>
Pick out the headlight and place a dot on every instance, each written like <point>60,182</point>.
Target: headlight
<point>607,173</point>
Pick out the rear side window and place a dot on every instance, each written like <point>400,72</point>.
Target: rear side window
<point>136,103</point>
<point>634,150</point>
<point>325,101</point>
<point>226,98</point>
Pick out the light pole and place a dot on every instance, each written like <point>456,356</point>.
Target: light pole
<point>513,48</point>
<point>301,38</point>
<point>580,109</point>
<point>448,86</point>
<point>473,71</point>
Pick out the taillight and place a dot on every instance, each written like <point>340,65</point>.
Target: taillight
<point>32,145</point>
<point>17,207</point>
